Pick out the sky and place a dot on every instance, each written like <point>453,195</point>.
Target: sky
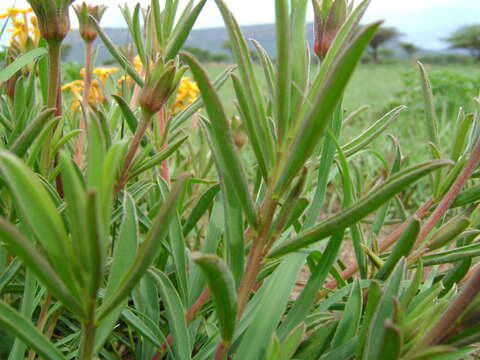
<point>423,22</point>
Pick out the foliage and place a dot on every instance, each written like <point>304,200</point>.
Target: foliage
<point>382,36</point>
<point>452,89</point>
<point>137,223</point>
<point>409,48</point>
<point>466,38</point>
<point>206,56</point>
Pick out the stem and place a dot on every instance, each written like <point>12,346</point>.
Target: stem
<point>89,330</point>
<point>165,170</point>
<point>256,256</point>
<point>54,53</point>
<point>86,95</point>
<point>452,194</point>
<point>142,127</point>
<point>385,244</point>
<point>221,351</point>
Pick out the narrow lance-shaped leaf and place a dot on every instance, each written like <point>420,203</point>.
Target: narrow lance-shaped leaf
<point>29,254</point>
<point>25,139</point>
<point>16,324</point>
<point>182,30</point>
<point>361,209</point>
<point>146,254</point>
<point>125,246</point>
<point>221,133</point>
<point>122,61</point>
<point>432,121</point>
<point>203,204</point>
<point>175,314</point>
<point>402,248</point>
<point>222,287</point>
<point>313,126</point>
<point>19,63</point>
<point>39,212</point>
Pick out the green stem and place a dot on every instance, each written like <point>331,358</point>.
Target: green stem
<point>89,330</point>
<point>54,54</point>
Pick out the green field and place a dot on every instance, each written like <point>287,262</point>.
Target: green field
<point>381,87</point>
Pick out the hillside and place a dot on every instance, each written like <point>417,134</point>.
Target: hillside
<point>209,39</point>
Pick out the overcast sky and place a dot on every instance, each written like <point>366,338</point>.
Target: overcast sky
<point>420,20</point>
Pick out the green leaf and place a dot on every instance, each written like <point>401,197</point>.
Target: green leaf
<point>182,30</point>
<point>384,311</point>
<point>372,133</point>
<point>467,197</point>
<point>316,342</point>
<point>361,209</point>
<point>156,159</point>
<point>125,246</point>
<point>39,212</point>
<point>16,324</point>
<point>393,341</point>
<point>290,345</point>
<point>402,248</point>
<point>307,298</point>
<point>122,61</point>
<point>268,312</point>
<point>463,128</point>
<point>26,138</point>
<point>146,254</point>
<point>251,85</point>
<point>222,287</point>
<point>175,314</point>
<point>348,326</point>
<point>448,232</point>
<point>228,156</point>
<point>19,63</point>
<point>374,296</point>
<point>202,205</point>
<point>430,113</point>
<point>312,127</point>
<point>250,126</point>
<point>36,261</point>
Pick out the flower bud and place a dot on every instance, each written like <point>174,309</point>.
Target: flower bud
<point>53,18</point>
<point>330,15</point>
<point>160,85</point>
<point>88,32</point>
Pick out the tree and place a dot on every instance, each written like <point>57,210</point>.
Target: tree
<point>466,38</point>
<point>382,36</point>
<point>409,48</point>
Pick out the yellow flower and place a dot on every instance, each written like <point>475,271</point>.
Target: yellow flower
<point>102,73</point>
<point>187,93</point>
<point>137,63</point>
<point>76,88</point>
<point>14,11</point>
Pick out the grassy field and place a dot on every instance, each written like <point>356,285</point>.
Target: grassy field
<point>383,87</point>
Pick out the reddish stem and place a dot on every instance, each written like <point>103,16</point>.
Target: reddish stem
<point>452,194</point>
<point>385,243</point>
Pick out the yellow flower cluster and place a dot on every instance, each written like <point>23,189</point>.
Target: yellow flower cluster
<point>22,33</point>
<point>103,73</point>
<point>96,94</point>
<point>187,93</point>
